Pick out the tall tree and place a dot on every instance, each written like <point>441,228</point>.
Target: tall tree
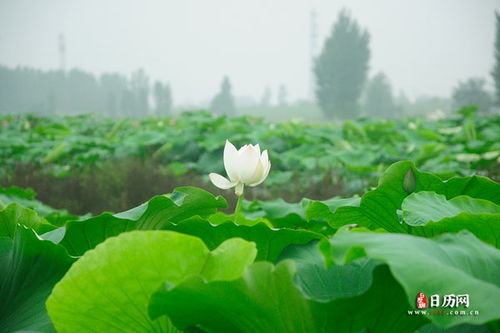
<point>128,103</point>
<point>112,87</point>
<point>81,93</point>
<point>378,100</point>
<point>495,73</point>
<point>341,68</point>
<point>282,95</point>
<point>223,102</point>
<point>265,101</point>
<point>402,103</point>
<point>472,92</point>
<point>140,86</point>
<point>162,98</point>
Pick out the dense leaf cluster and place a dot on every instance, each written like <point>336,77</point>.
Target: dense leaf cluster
<point>351,155</point>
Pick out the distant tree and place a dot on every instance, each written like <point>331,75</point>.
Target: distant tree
<point>51,107</point>
<point>223,102</point>
<point>402,98</point>
<point>472,92</point>
<point>282,95</point>
<point>265,101</point>
<point>80,94</point>
<point>75,91</point>
<point>341,68</point>
<point>168,99</point>
<point>402,103</point>
<point>6,80</point>
<point>112,87</point>
<point>424,105</point>
<point>162,98</point>
<point>128,103</point>
<point>140,86</point>
<point>495,73</point>
<point>378,100</point>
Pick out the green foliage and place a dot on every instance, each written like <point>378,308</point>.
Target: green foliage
<point>27,217</point>
<point>29,269</point>
<point>270,242</point>
<point>422,207</point>
<point>379,208</point>
<point>451,264</point>
<point>177,263</point>
<point>341,68</point>
<point>266,299</point>
<point>101,291</point>
<point>22,201</point>
<point>90,163</point>
<point>155,214</point>
<point>430,214</point>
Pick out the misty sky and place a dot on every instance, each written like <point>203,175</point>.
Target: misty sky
<point>424,46</point>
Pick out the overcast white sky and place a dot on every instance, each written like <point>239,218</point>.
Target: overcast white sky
<point>424,46</point>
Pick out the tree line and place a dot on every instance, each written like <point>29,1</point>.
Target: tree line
<point>76,91</point>
<point>343,87</point>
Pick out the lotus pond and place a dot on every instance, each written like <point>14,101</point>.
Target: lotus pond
<point>363,226</point>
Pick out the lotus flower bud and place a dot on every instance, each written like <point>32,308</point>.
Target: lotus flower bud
<point>246,166</point>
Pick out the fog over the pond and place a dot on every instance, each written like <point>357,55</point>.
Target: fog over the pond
<point>424,47</point>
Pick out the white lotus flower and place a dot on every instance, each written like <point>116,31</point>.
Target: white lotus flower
<point>246,166</point>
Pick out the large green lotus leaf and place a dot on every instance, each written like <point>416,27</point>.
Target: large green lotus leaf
<point>358,159</point>
<point>287,215</point>
<point>186,202</point>
<point>108,288</point>
<point>378,208</point>
<point>431,214</point>
<point>348,280</point>
<point>26,198</point>
<point>280,212</point>
<point>183,203</point>
<point>29,269</point>
<point>323,210</point>
<point>14,193</point>
<point>318,282</point>
<point>265,299</point>
<point>220,217</point>
<point>423,207</point>
<point>484,226</point>
<point>15,213</point>
<point>451,264</point>
<point>270,242</point>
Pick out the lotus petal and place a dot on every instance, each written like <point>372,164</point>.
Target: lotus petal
<point>220,181</point>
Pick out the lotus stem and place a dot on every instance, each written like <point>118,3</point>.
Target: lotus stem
<point>237,209</point>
